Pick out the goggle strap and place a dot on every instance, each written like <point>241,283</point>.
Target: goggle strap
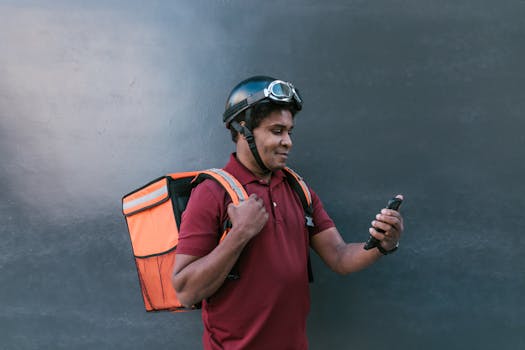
<point>235,109</point>
<point>252,99</point>
<point>240,106</point>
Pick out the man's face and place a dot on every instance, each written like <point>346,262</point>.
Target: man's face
<point>273,140</point>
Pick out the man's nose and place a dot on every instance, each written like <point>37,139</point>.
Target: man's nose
<point>286,140</point>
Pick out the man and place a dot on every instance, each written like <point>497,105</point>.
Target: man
<point>268,244</point>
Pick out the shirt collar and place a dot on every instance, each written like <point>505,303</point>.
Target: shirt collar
<point>245,176</point>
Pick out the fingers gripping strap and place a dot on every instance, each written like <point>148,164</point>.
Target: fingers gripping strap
<point>232,186</point>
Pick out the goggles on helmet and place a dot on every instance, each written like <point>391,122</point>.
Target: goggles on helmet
<point>277,91</point>
<point>282,91</point>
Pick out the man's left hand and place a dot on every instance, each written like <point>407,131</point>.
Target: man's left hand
<point>390,221</point>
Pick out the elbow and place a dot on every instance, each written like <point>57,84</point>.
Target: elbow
<point>343,269</point>
<point>340,271</point>
<point>343,272</point>
<point>186,301</point>
<point>184,295</point>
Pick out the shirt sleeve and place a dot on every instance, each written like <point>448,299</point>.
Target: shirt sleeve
<point>201,221</point>
<point>322,220</point>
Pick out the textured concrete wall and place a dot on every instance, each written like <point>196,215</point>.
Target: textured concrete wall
<point>425,98</point>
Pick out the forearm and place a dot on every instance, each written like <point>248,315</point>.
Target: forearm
<point>353,257</point>
<point>340,256</point>
<point>344,258</point>
<point>203,277</point>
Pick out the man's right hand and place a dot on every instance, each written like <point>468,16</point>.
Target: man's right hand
<point>248,217</point>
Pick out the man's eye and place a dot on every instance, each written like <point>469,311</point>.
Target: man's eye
<point>277,131</point>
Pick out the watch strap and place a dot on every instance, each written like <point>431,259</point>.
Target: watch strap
<point>386,252</point>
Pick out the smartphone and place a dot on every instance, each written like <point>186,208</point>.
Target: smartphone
<point>393,204</point>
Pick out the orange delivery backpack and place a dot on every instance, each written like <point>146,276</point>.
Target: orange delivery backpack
<point>153,215</point>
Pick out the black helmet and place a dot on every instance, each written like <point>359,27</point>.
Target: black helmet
<point>258,89</point>
<point>255,90</point>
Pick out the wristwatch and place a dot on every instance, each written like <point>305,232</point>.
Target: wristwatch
<point>386,252</point>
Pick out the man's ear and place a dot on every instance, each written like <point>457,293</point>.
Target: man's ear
<point>243,124</point>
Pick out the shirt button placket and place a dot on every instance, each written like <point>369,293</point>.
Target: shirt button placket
<point>275,208</point>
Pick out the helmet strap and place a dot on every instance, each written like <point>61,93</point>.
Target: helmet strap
<point>248,135</point>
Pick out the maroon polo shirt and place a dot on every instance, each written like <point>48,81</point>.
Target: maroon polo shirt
<point>267,307</point>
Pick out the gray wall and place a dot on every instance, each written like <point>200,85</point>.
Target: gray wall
<point>424,97</point>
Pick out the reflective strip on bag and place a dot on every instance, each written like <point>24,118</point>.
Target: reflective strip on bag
<point>161,191</point>
<point>232,186</point>
<point>145,197</point>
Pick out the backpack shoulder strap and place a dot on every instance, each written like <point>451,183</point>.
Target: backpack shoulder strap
<point>230,184</point>
<point>237,194</point>
<point>300,187</point>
